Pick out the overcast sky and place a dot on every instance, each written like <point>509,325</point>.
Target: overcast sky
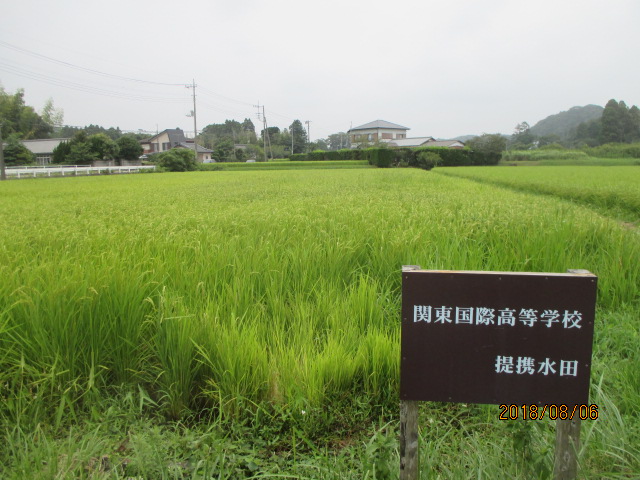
<point>443,69</point>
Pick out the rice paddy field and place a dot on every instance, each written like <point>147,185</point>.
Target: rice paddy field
<point>615,191</point>
<point>246,324</point>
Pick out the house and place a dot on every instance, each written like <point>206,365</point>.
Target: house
<point>163,141</point>
<point>376,131</point>
<point>426,142</point>
<point>412,142</point>
<point>445,143</point>
<point>43,149</point>
<point>173,138</point>
<point>204,154</point>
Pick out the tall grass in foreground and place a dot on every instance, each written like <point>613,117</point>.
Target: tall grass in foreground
<point>218,289</point>
<point>232,292</point>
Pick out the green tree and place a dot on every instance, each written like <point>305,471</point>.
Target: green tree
<point>103,146</point>
<point>15,153</point>
<point>487,148</point>
<point>80,153</point>
<point>61,152</point>
<point>588,133</point>
<point>338,141</point>
<point>522,137</point>
<point>274,135</point>
<point>634,124</point>
<point>223,150</point>
<point>129,147</point>
<point>239,154</point>
<point>177,160</point>
<point>52,116</point>
<point>612,129</point>
<point>299,136</point>
<point>20,118</point>
<point>488,143</point>
<point>250,131</point>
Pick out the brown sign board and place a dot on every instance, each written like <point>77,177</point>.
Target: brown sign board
<point>497,337</point>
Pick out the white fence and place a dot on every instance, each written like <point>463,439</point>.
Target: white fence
<point>70,170</point>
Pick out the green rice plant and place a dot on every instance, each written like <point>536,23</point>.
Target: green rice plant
<point>230,294</point>
<point>613,189</point>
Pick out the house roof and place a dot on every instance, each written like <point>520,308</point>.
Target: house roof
<point>444,143</point>
<point>176,136</point>
<point>43,146</point>
<point>411,142</point>
<point>201,149</point>
<point>379,124</point>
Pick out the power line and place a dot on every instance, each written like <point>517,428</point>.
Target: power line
<point>32,75</point>
<point>21,72</point>
<point>84,69</point>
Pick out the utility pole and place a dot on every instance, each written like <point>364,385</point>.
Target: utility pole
<point>193,114</point>
<point>264,130</point>
<point>308,132</point>
<point>292,125</point>
<point>3,173</point>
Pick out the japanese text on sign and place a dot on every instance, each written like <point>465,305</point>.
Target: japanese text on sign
<point>498,317</point>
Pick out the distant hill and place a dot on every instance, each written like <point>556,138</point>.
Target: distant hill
<point>464,138</point>
<point>563,123</point>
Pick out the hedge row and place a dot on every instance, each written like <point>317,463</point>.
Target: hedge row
<point>319,155</point>
<point>408,157</point>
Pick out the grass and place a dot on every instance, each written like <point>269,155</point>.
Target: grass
<point>613,190</point>
<point>286,165</point>
<point>246,324</point>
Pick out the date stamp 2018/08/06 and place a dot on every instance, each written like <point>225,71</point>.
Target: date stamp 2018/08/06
<point>551,411</point>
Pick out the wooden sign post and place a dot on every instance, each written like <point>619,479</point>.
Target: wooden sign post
<point>522,340</point>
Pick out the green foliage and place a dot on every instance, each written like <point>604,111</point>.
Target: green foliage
<point>297,130</point>
<point>615,150</point>
<point>61,152</point>
<point>380,157</point>
<point>114,133</point>
<point>85,149</point>
<point>428,160</point>
<point>15,153</point>
<point>52,116</point>
<point>80,153</point>
<point>21,119</point>
<point>543,154</point>
<point>344,154</point>
<point>102,146</point>
<point>224,150</point>
<point>129,147</point>
<point>271,326</point>
<point>273,135</point>
<point>564,124</point>
<point>177,160</point>
<point>522,137</point>
<point>230,130</point>
<point>239,154</point>
<point>487,148</point>
<point>399,157</point>
<point>339,141</point>
<point>619,123</point>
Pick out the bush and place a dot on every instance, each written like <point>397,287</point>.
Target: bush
<point>615,150</point>
<point>380,157</point>
<point>428,160</point>
<point>177,160</point>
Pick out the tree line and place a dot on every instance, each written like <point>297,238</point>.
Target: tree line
<point>237,141</point>
<point>618,124</point>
